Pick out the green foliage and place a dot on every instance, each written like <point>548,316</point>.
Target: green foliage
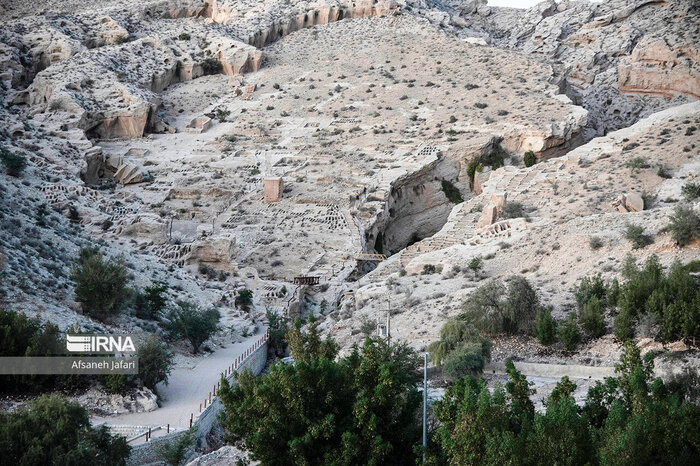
<point>451,192</point>
<point>152,301</point>
<point>211,65</point>
<point>155,361</point>
<point>429,269</point>
<point>467,359</point>
<point>623,325</point>
<point>627,420</point>
<point>123,39</point>
<point>20,336</point>
<point>115,383</point>
<point>513,209</point>
<point>593,317</point>
<point>278,328</point>
<point>183,36</point>
<point>590,287</point>
<point>493,158</point>
<point>635,235</point>
<point>546,326</point>
<point>499,308</point>
<point>100,284</point>
<point>14,162</point>
<point>188,322</point>
<point>529,158</point>
<point>684,225</point>
<point>569,333</point>
<point>691,190</point>
<point>174,452</point>
<point>244,299</point>
<point>476,264</point>
<point>307,346</point>
<point>53,431</point>
<point>358,410</point>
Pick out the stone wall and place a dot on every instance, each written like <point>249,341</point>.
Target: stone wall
<point>146,453</point>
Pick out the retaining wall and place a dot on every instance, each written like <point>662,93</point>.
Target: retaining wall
<point>148,452</point>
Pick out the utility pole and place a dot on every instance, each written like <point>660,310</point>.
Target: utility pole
<point>425,403</point>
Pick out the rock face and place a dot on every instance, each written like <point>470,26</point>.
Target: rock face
<point>111,91</point>
<point>619,59</point>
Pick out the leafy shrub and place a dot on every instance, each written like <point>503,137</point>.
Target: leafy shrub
<point>212,66</point>
<point>174,452</point>
<point>451,192</point>
<point>123,39</point>
<point>244,299</point>
<point>684,225</point>
<point>155,361</point>
<point>476,264</point>
<point>635,234</point>
<point>100,285</point>
<point>467,359</point>
<point>20,336</point>
<point>188,322</point>
<point>14,162</point>
<point>513,209</point>
<point>590,287</point>
<point>183,36</point>
<point>497,308</point>
<point>569,333</point>
<point>623,325</point>
<point>595,242</point>
<point>593,317</point>
<point>529,158</point>
<point>278,329</point>
<point>691,190</point>
<point>115,383</point>
<point>152,301</point>
<point>51,430</point>
<point>546,327</point>
<point>428,269</point>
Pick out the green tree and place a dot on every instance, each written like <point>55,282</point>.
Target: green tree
<point>51,430</point>
<point>590,287</point>
<point>497,308</point>
<point>467,359</point>
<point>152,301</point>
<point>174,452</point>
<point>188,322</point>
<point>569,333</point>
<point>684,225</point>
<point>623,325</point>
<point>546,326</point>
<point>278,328</point>
<point>100,284</point>
<point>635,235</point>
<point>155,361</point>
<point>244,299</point>
<point>593,317</point>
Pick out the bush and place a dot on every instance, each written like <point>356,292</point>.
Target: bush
<point>183,36</point>
<point>51,430</point>
<point>595,242</point>
<point>529,158</point>
<point>546,327</point>
<point>174,452</point>
<point>212,66</point>
<point>187,322</point>
<point>467,359</point>
<point>497,308</point>
<point>513,209</point>
<point>635,234</point>
<point>684,225</point>
<point>152,301</point>
<point>623,326</point>
<point>244,299</point>
<point>14,162</point>
<point>593,317</point>
<point>476,264</point>
<point>590,287</point>
<point>278,329</point>
<point>20,336</point>
<point>100,285</point>
<point>451,192</point>
<point>123,39</point>
<point>155,362</point>
<point>569,333</point>
<point>115,383</point>
<point>691,190</point>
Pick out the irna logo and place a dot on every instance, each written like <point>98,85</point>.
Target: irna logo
<point>99,344</point>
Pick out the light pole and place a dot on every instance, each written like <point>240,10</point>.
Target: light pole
<point>425,403</point>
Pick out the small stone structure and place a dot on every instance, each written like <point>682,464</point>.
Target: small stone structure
<point>273,189</point>
<point>198,125</point>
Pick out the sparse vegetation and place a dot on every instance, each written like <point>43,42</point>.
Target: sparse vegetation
<point>635,235</point>
<point>684,225</point>
<point>14,162</point>
<point>451,192</point>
